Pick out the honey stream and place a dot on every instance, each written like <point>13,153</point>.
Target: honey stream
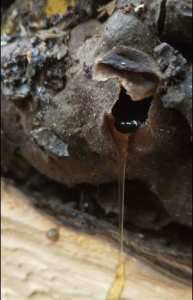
<point>121,142</point>
<point>121,197</point>
<point>118,284</point>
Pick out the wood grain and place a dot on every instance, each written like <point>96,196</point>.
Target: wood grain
<point>75,267</point>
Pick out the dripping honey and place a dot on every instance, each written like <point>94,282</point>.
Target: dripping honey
<point>118,284</point>
<point>121,142</point>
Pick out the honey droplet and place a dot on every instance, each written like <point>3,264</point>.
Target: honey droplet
<point>118,284</point>
<point>53,234</point>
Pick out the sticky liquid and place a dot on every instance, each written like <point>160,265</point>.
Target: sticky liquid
<point>121,142</point>
<point>118,284</point>
<point>121,197</point>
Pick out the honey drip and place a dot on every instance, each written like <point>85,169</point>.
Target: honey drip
<point>121,142</point>
<point>118,284</point>
<point>121,193</point>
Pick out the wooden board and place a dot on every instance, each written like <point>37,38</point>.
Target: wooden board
<point>76,267</point>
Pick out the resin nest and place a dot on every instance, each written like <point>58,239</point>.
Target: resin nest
<point>59,82</point>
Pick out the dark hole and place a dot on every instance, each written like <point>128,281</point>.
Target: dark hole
<point>87,201</point>
<point>162,16</point>
<point>17,117</point>
<point>6,3</point>
<point>129,114</point>
<point>22,103</point>
<point>184,48</point>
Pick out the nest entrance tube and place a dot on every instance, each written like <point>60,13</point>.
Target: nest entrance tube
<point>129,115</point>
<point>139,78</point>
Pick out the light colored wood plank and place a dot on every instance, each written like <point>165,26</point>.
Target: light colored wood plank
<point>76,267</point>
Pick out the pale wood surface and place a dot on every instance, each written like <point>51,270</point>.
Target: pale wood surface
<point>76,267</point>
